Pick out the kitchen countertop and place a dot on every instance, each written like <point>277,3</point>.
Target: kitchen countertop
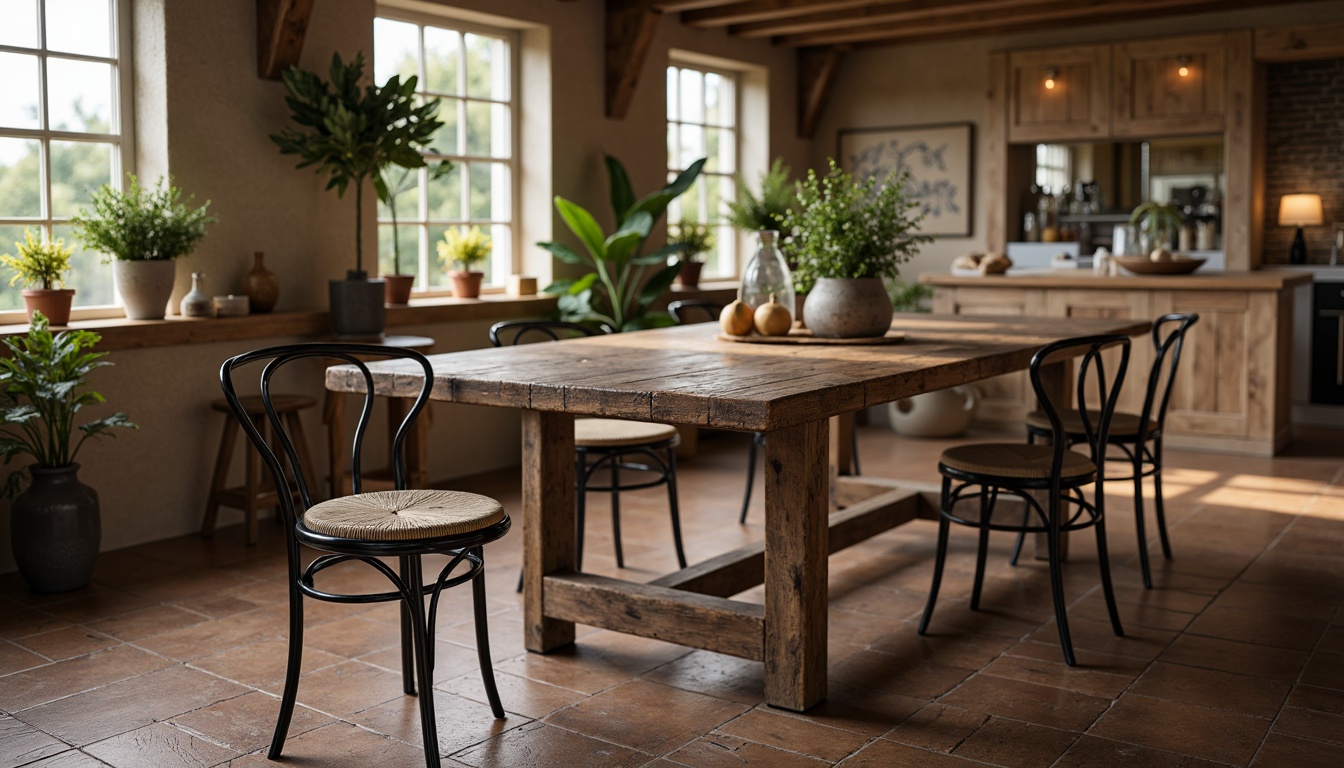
<point>1260,280</point>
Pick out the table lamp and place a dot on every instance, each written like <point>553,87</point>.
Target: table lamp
<point>1300,211</point>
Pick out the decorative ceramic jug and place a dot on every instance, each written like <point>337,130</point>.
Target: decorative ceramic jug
<point>197,303</point>
<point>263,289</point>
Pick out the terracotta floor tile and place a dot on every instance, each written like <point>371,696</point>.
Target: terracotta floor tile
<point>1244,694</point>
<point>938,727</point>
<point>21,744</point>
<point>518,694</point>
<point>1325,670</point>
<point>210,637</point>
<point>1137,642</point>
<point>246,723</point>
<point>1187,729</point>
<point>967,650</point>
<point>794,735</point>
<point>1131,615</point>
<point>342,745</point>
<point>713,674</point>
<point>647,716</point>
<point>262,665</point>
<point>147,622</point>
<point>1040,704</point>
<point>1332,641</point>
<point>1310,724</point>
<point>160,745</point>
<point>1275,599</point>
<point>538,745</point>
<point>1093,752</point>
<point>720,751</point>
<point>67,643</point>
<point>37,686</point>
<point>1250,626</point>
<point>349,687</point>
<point>450,660</point>
<point>353,637</point>
<point>595,663</point>
<point>1231,656</point>
<point>1057,674</point>
<point>1088,659</point>
<point>885,672</point>
<point>21,620</point>
<point>461,722</point>
<point>1287,750</point>
<point>100,601</point>
<point>14,658</point>
<point>71,759</point>
<point>889,754</point>
<point>1014,743</point>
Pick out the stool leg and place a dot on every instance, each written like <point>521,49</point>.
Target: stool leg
<point>672,505</point>
<point>940,554</point>
<point>986,509</point>
<point>226,440</point>
<point>483,639</point>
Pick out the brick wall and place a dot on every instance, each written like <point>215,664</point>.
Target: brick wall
<point>1304,150</point>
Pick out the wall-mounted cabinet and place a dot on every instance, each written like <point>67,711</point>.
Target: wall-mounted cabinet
<point>1059,94</point>
<point>1170,87</point>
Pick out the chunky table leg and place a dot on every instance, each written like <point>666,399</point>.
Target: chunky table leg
<point>796,548</point>
<point>549,540</point>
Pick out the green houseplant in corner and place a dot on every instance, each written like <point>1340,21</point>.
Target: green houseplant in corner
<point>463,250</point>
<point>42,267</point>
<point>54,523</point>
<point>615,294</point>
<point>696,240</point>
<point>847,235</point>
<point>351,132</point>
<point>142,231</point>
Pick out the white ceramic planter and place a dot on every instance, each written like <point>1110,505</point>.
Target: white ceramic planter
<point>145,287</point>
<point>945,413</point>
<point>848,308</point>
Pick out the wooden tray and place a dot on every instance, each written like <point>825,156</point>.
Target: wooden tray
<point>804,336</point>
<point>1141,265</point>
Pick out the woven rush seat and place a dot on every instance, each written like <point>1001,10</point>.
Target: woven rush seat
<point>1026,462</point>
<point>618,432</point>
<point>1122,424</point>
<point>403,515</point>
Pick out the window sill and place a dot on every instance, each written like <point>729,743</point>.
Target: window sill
<point>120,333</point>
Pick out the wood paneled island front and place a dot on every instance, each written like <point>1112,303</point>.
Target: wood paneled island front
<point>1232,393</point>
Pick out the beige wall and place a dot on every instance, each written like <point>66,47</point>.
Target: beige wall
<point>204,116</point>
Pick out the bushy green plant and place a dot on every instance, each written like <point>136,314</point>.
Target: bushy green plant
<point>141,224</point>
<point>615,293</point>
<point>42,387</point>
<point>36,263</point>
<point>752,212</point>
<point>842,228</point>
<point>1152,217</point>
<point>351,132</point>
<point>696,239</point>
<point>464,248</point>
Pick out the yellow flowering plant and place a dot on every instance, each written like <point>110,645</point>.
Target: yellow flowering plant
<point>464,249</point>
<point>37,263</point>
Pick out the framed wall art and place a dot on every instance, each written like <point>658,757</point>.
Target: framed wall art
<point>938,158</point>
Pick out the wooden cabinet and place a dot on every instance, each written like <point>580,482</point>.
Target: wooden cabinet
<point>1077,108</point>
<point>1153,98</point>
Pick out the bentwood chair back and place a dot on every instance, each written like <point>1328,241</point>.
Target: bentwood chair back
<point>399,525</point>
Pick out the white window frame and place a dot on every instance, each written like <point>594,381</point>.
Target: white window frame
<point>1054,166</point>
<point>123,140</point>
<point>503,262</point>
<point>725,236</point>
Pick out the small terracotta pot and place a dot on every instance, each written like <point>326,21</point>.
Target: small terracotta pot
<point>398,288</point>
<point>54,303</point>
<point>689,276</point>
<point>466,285</point>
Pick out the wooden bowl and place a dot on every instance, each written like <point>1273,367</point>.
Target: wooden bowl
<point>1142,265</point>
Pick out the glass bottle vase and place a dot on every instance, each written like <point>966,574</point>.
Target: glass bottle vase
<point>767,273</point>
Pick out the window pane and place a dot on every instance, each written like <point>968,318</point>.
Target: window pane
<point>445,197</point>
<point>487,67</point>
<point>689,202</point>
<point>672,113</point>
<point>396,50</point>
<point>77,169</point>
<point>19,89</point>
<point>720,260</point>
<point>718,100</point>
<point>445,140</point>
<point>80,26</point>
<point>442,59</point>
<point>713,210</point>
<point>487,129</point>
<point>408,240</point>
<point>501,255</point>
<point>489,192</point>
<point>91,279</point>
<point>673,153</point>
<point>20,178</point>
<point>79,95</point>
<point>692,96</point>
<point>10,236</point>
<point>438,270</point>
<point>20,27</point>
<point>692,144</point>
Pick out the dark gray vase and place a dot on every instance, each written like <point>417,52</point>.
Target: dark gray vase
<point>357,309</point>
<point>55,530</point>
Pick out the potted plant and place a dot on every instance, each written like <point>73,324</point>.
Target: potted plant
<point>1158,224</point>
<point>459,251</point>
<point>846,236</point>
<point>756,213</point>
<point>54,523</point>
<point>398,180</point>
<point>42,267</point>
<point>695,240</point>
<point>351,133</point>
<point>615,294</point>
<point>142,231</point>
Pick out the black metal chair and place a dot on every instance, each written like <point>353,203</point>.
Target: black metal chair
<point>1137,436</point>
<point>368,527</point>
<point>682,311</point>
<point>609,443</point>
<point>981,471</point>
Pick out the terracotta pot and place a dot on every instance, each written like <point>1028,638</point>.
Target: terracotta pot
<point>466,285</point>
<point>54,304</point>
<point>398,288</point>
<point>848,308</point>
<point>145,286</point>
<point>689,276</point>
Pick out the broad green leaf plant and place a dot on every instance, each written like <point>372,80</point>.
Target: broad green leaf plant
<point>615,294</point>
<point>42,388</point>
<point>38,264</point>
<point>351,133</point>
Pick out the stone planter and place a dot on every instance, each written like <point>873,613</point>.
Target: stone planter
<point>55,530</point>
<point>357,309</point>
<point>848,308</point>
<point>145,286</point>
<point>54,304</point>
<point>945,413</point>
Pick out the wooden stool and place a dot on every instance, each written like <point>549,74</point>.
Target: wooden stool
<point>256,492</point>
<point>417,438</point>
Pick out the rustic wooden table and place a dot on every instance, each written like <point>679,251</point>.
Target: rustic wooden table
<point>685,375</point>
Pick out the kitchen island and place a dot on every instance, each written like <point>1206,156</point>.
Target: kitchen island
<point>1233,391</point>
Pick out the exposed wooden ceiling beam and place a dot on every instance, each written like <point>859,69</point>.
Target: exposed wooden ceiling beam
<point>762,10</point>
<point>817,70</point>
<point>631,25</point>
<point>281,26</point>
<point>870,13</point>
<point>677,6</point>
<point>1027,18</point>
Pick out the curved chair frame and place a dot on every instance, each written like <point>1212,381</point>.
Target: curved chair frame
<point>1145,460</point>
<point>1050,518</point>
<point>465,551</point>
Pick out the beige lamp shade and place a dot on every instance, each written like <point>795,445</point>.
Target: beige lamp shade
<point>1300,211</point>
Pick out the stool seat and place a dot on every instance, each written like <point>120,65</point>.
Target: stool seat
<point>403,515</point>
<point>254,406</point>
<point>612,433</point>
<point>1014,460</point>
<point>1122,424</point>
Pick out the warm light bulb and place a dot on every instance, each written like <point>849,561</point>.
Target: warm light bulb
<point>1050,78</point>
<point>1049,82</point>
<point>1184,71</point>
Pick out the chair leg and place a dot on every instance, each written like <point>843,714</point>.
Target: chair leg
<point>1140,524</point>
<point>986,508</point>
<point>483,639</point>
<point>751,476</point>
<point>1026,516</point>
<point>940,554</point>
<point>616,509</point>
<point>1057,578</point>
<point>1158,504</point>
<point>407,641</point>
<point>429,728</point>
<point>1104,561</point>
<point>292,667</point>
<point>672,505</point>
